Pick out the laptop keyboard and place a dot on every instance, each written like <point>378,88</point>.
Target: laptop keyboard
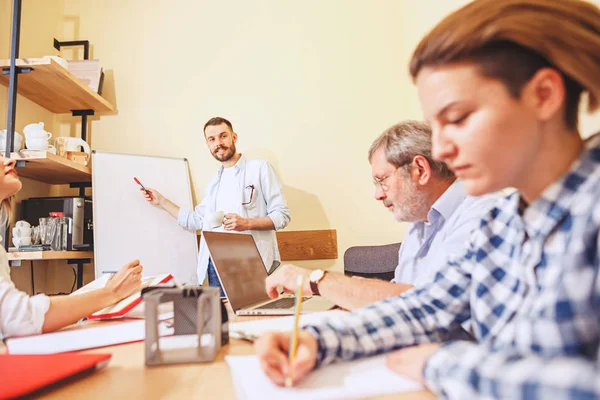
<point>286,302</point>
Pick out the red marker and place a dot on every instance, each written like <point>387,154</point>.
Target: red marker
<point>140,183</point>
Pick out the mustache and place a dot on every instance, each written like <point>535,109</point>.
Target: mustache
<point>220,148</point>
<point>387,203</point>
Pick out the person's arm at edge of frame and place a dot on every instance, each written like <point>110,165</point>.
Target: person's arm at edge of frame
<point>415,317</point>
<point>347,292</point>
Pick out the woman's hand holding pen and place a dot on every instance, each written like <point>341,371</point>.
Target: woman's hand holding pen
<point>126,281</point>
<point>272,350</point>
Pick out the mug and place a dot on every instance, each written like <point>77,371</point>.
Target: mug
<point>22,224</point>
<point>18,140</point>
<point>22,241</point>
<point>31,128</point>
<point>215,219</point>
<point>21,232</point>
<point>40,144</point>
<point>39,135</point>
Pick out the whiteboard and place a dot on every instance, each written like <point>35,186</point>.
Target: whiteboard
<point>127,227</point>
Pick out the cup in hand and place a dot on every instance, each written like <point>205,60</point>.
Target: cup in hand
<point>215,219</point>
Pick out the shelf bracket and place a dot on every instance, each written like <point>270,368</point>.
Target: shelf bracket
<point>80,263</point>
<point>84,43</point>
<point>83,114</point>
<point>19,70</point>
<point>81,186</point>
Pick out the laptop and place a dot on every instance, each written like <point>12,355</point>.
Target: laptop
<point>242,273</point>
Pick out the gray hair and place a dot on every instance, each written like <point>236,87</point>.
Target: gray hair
<point>405,140</point>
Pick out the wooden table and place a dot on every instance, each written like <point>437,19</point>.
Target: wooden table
<point>126,376</point>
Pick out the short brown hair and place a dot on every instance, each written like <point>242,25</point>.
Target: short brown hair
<point>510,40</point>
<point>405,140</point>
<point>217,121</point>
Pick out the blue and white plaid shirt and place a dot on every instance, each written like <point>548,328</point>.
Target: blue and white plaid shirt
<point>530,282</point>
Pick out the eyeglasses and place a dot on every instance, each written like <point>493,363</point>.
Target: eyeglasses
<point>381,181</point>
<point>251,187</point>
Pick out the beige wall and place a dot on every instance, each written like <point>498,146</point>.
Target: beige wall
<point>308,85</point>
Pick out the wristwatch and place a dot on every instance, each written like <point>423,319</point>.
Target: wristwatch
<point>315,277</point>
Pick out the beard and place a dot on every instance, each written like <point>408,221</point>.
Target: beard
<point>414,204</point>
<point>228,152</point>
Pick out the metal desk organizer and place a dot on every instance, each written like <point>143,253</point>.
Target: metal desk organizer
<point>200,325</point>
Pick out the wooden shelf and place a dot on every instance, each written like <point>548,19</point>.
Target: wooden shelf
<point>53,87</point>
<point>48,255</point>
<point>50,168</point>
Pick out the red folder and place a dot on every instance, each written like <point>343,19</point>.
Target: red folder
<point>25,374</point>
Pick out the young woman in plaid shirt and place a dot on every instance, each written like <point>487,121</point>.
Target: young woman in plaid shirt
<point>500,82</point>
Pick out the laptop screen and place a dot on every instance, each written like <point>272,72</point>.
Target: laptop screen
<point>239,266</point>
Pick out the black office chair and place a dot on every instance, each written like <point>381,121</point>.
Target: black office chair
<point>372,261</point>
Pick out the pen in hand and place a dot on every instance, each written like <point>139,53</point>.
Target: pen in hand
<point>289,380</point>
<point>140,183</point>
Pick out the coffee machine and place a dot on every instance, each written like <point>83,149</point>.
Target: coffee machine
<point>79,209</point>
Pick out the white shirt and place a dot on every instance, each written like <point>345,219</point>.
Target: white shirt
<point>255,179</point>
<point>227,195</point>
<point>450,221</point>
<point>20,314</point>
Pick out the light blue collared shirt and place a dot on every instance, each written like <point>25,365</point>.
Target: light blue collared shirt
<point>450,220</point>
<point>267,200</point>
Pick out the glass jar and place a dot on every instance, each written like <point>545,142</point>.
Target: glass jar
<point>44,231</point>
<point>57,231</point>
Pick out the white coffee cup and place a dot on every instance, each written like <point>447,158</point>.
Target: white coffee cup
<point>39,144</point>
<point>39,135</point>
<point>22,241</point>
<point>21,232</point>
<point>18,140</point>
<point>215,219</point>
<point>22,224</point>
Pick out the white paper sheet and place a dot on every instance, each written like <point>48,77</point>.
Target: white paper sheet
<point>85,338</point>
<point>348,380</point>
<point>251,329</point>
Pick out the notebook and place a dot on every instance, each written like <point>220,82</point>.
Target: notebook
<point>27,374</point>
<point>242,273</point>
<point>358,379</point>
<point>121,308</point>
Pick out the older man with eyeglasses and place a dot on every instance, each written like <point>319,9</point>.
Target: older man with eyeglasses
<point>416,189</point>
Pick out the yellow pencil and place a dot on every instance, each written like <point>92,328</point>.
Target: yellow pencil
<point>289,380</point>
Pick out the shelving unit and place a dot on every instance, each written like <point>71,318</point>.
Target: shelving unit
<point>52,86</point>
<point>53,169</point>
<point>49,255</point>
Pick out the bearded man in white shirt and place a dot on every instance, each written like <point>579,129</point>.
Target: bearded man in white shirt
<point>247,192</point>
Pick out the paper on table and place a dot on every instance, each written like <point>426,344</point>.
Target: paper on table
<point>347,380</point>
<point>84,338</point>
<point>251,329</point>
